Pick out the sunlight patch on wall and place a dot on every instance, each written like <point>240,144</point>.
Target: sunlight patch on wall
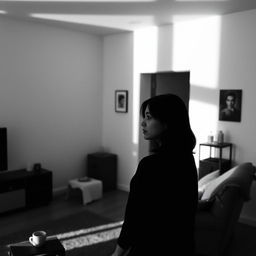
<point>145,60</point>
<point>196,48</point>
<point>3,12</point>
<point>203,120</point>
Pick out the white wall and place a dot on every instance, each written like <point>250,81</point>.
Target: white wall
<point>126,55</point>
<point>50,96</point>
<point>220,54</point>
<point>229,63</point>
<point>238,71</point>
<point>117,127</point>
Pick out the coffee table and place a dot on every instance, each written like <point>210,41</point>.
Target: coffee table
<point>52,247</point>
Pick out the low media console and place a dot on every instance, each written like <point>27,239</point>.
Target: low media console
<point>24,189</point>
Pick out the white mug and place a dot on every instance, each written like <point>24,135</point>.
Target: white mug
<point>38,238</point>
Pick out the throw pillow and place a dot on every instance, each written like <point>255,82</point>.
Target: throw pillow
<point>233,177</point>
<point>204,181</point>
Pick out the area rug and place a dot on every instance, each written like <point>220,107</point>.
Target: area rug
<point>81,234</point>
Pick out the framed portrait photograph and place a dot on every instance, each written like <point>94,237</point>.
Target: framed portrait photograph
<point>230,105</point>
<point>121,101</point>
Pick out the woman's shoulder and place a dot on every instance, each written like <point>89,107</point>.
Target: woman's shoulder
<point>147,166</point>
<point>147,161</point>
<point>149,158</point>
<point>167,158</point>
<point>153,159</point>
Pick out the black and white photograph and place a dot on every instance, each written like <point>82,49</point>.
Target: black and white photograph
<point>230,105</point>
<point>121,101</point>
<point>127,128</point>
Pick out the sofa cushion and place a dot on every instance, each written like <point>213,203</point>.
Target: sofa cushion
<point>204,181</point>
<point>239,176</point>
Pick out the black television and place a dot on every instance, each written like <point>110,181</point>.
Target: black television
<point>3,149</point>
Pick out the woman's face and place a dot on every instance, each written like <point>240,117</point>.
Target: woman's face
<point>230,101</point>
<point>152,128</point>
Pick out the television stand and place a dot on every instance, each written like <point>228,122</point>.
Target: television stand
<point>24,189</point>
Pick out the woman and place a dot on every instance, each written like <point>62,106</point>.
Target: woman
<point>160,211</point>
<point>230,112</point>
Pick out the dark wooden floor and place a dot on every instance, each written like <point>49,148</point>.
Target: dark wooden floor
<point>111,206</point>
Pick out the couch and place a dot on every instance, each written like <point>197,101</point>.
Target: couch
<point>221,199</point>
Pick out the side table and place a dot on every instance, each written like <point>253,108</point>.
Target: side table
<point>52,247</point>
<point>91,189</point>
<point>214,163</point>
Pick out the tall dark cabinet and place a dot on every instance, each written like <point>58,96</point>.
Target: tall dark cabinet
<point>39,188</point>
<point>3,149</point>
<point>103,166</point>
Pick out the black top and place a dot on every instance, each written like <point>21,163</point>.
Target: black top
<point>230,115</point>
<point>160,211</point>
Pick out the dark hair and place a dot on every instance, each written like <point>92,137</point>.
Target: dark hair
<point>121,97</point>
<point>230,94</point>
<point>170,110</point>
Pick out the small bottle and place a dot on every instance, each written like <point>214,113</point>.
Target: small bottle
<point>220,137</point>
<point>210,138</point>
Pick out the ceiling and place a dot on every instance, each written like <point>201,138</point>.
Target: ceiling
<point>104,17</point>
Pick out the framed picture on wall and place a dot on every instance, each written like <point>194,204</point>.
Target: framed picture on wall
<point>230,105</point>
<point>121,101</point>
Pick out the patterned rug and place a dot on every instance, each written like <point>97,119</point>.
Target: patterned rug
<point>83,233</point>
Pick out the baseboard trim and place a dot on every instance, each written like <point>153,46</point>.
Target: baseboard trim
<point>59,191</point>
<point>247,220</point>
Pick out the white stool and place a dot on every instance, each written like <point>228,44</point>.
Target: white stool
<point>91,190</point>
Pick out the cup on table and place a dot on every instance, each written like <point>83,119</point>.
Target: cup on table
<point>38,238</point>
